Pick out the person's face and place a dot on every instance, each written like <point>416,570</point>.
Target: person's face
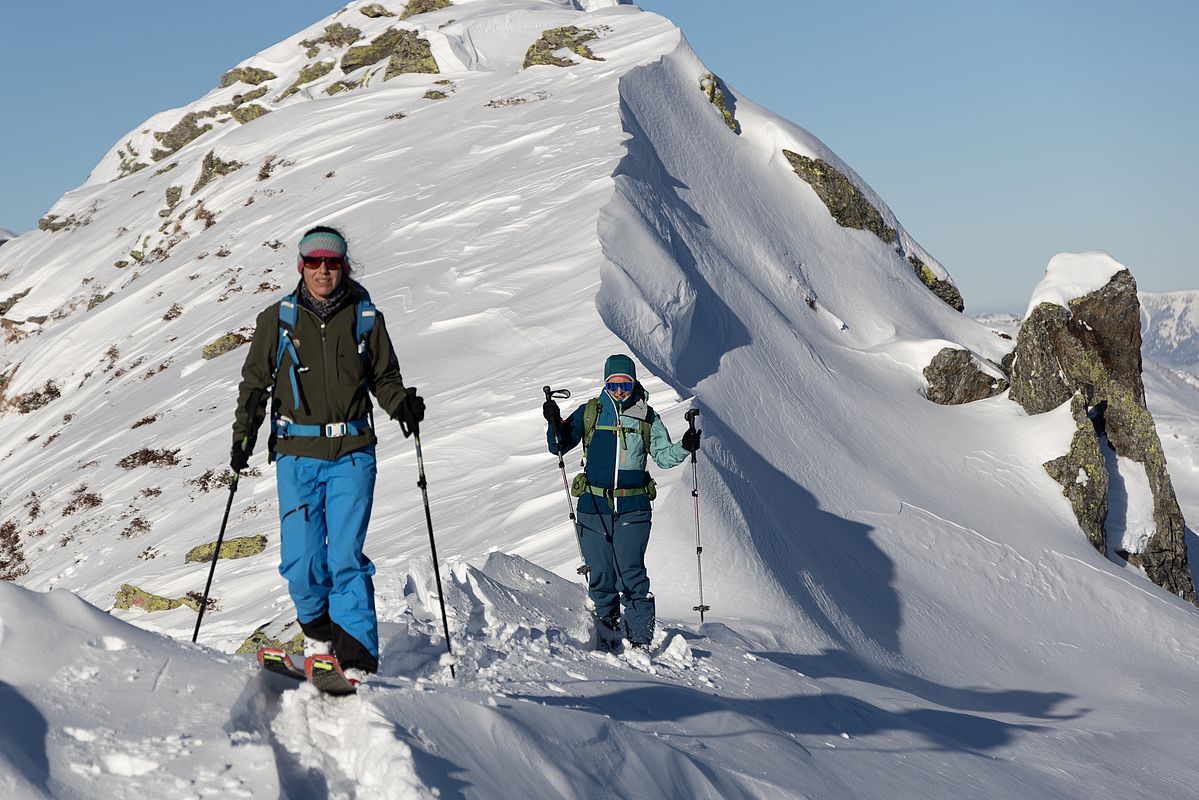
<point>321,276</point>
<point>619,387</point>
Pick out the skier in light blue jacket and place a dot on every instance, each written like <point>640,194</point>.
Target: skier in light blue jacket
<point>618,430</point>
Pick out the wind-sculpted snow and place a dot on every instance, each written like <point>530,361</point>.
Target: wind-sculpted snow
<point>900,595</point>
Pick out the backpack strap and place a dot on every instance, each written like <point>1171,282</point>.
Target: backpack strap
<point>289,312</point>
<point>590,416</point>
<point>364,323</point>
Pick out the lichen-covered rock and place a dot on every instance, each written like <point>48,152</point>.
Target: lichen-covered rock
<point>308,74</point>
<point>213,167</point>
<point>1108,323</point>
<point>226,343</point>
<point>265,636</point>
<point>435,94</point>
<point>184,131</point>
<point>955,376</point>
<point>408,53</point>
<point>374,11</point>
<point>250,75</point>
<point>9,302</point>
<point>1082,474</point>
<point>541,52</point>
<point>843,200</point>
<point>336,35</point>
<point>129,596</point>
<point>1093,348</point>
<point>415,7</point>
<point>240,99</point>
<point>943,289</point>
<point>249,113</point>
<point>713,88</point>
<point>242,547</point>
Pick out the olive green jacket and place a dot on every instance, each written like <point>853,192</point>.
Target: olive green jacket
<point>333,383</point>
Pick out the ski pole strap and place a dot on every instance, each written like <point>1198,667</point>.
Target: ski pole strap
<point>285,428</point>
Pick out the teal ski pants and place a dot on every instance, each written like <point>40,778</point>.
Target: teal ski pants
<point>325,507</point>
<point>614,547</point>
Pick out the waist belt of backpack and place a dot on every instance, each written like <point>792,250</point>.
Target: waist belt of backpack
<point>610,493</point>
<point>285,428</point>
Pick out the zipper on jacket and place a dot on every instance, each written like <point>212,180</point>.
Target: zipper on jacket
<point>616,459</point>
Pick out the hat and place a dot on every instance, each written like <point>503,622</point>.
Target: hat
<point>619,365</point>
<point>321,243</point>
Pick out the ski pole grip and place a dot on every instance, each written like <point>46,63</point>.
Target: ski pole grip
<point>690,417</point>
<point>548,391</point>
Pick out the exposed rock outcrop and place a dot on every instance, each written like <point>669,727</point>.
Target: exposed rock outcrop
<point>405,49</point>
<point>571,38</point>
<point>1083,476</point>
<point>844,201</point>
<point>955,377</point>
<point>1093,349</point>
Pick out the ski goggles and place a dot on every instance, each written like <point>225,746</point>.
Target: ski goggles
<point>619,386</point>
<point>333,263</point>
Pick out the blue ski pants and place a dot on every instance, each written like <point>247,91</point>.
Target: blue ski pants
<point>324,510</point>
<point>614,547</point>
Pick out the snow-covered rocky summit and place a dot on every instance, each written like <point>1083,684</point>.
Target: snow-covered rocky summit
<point>901,597</point>
<point>6,235</point>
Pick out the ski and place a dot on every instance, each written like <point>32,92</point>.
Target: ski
<point>325,674</point>
<point>272,659</point>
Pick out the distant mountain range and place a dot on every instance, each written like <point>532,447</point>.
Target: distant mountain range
<point>1170,329</point>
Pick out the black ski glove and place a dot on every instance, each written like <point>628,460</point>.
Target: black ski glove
<point>551,412</point>
<point>690,441</point>
<point>239,457</point>
<point>411,411</point>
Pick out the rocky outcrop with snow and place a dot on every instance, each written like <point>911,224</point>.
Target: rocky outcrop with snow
<point>1082,337</point>
<point>956,376</point>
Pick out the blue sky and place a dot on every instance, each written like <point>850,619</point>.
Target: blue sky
<point>1000,133</point>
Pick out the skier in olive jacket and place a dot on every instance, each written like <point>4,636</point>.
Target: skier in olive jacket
<point>615,492</point>
<point>323,441</point>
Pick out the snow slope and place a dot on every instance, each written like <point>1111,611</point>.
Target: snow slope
<point>902,602</point>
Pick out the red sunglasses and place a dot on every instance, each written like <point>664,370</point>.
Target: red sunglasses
<point>333,264</point>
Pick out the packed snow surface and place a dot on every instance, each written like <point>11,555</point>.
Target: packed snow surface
<point>903,606</point>
<point>1072,275</point>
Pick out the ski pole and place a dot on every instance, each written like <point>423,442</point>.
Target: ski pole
<point>564,394</point>
<point>424,491</point>
<point>699,550</point>
<point>246,446</point>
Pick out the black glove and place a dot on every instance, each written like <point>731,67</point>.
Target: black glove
<point>691,439</point>
<point>239,457</point>
<point>551,412</point>
<point>411,411</point>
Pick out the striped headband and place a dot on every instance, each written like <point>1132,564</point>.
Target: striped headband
<point>321,244</point>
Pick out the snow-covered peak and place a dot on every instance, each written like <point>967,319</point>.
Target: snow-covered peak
<point>1072,275</point>
<point>1170,328</point>
<point>6,234</point>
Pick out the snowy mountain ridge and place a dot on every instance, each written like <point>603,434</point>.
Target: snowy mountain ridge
<point>901,597</point>
<point>1170,326</point>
